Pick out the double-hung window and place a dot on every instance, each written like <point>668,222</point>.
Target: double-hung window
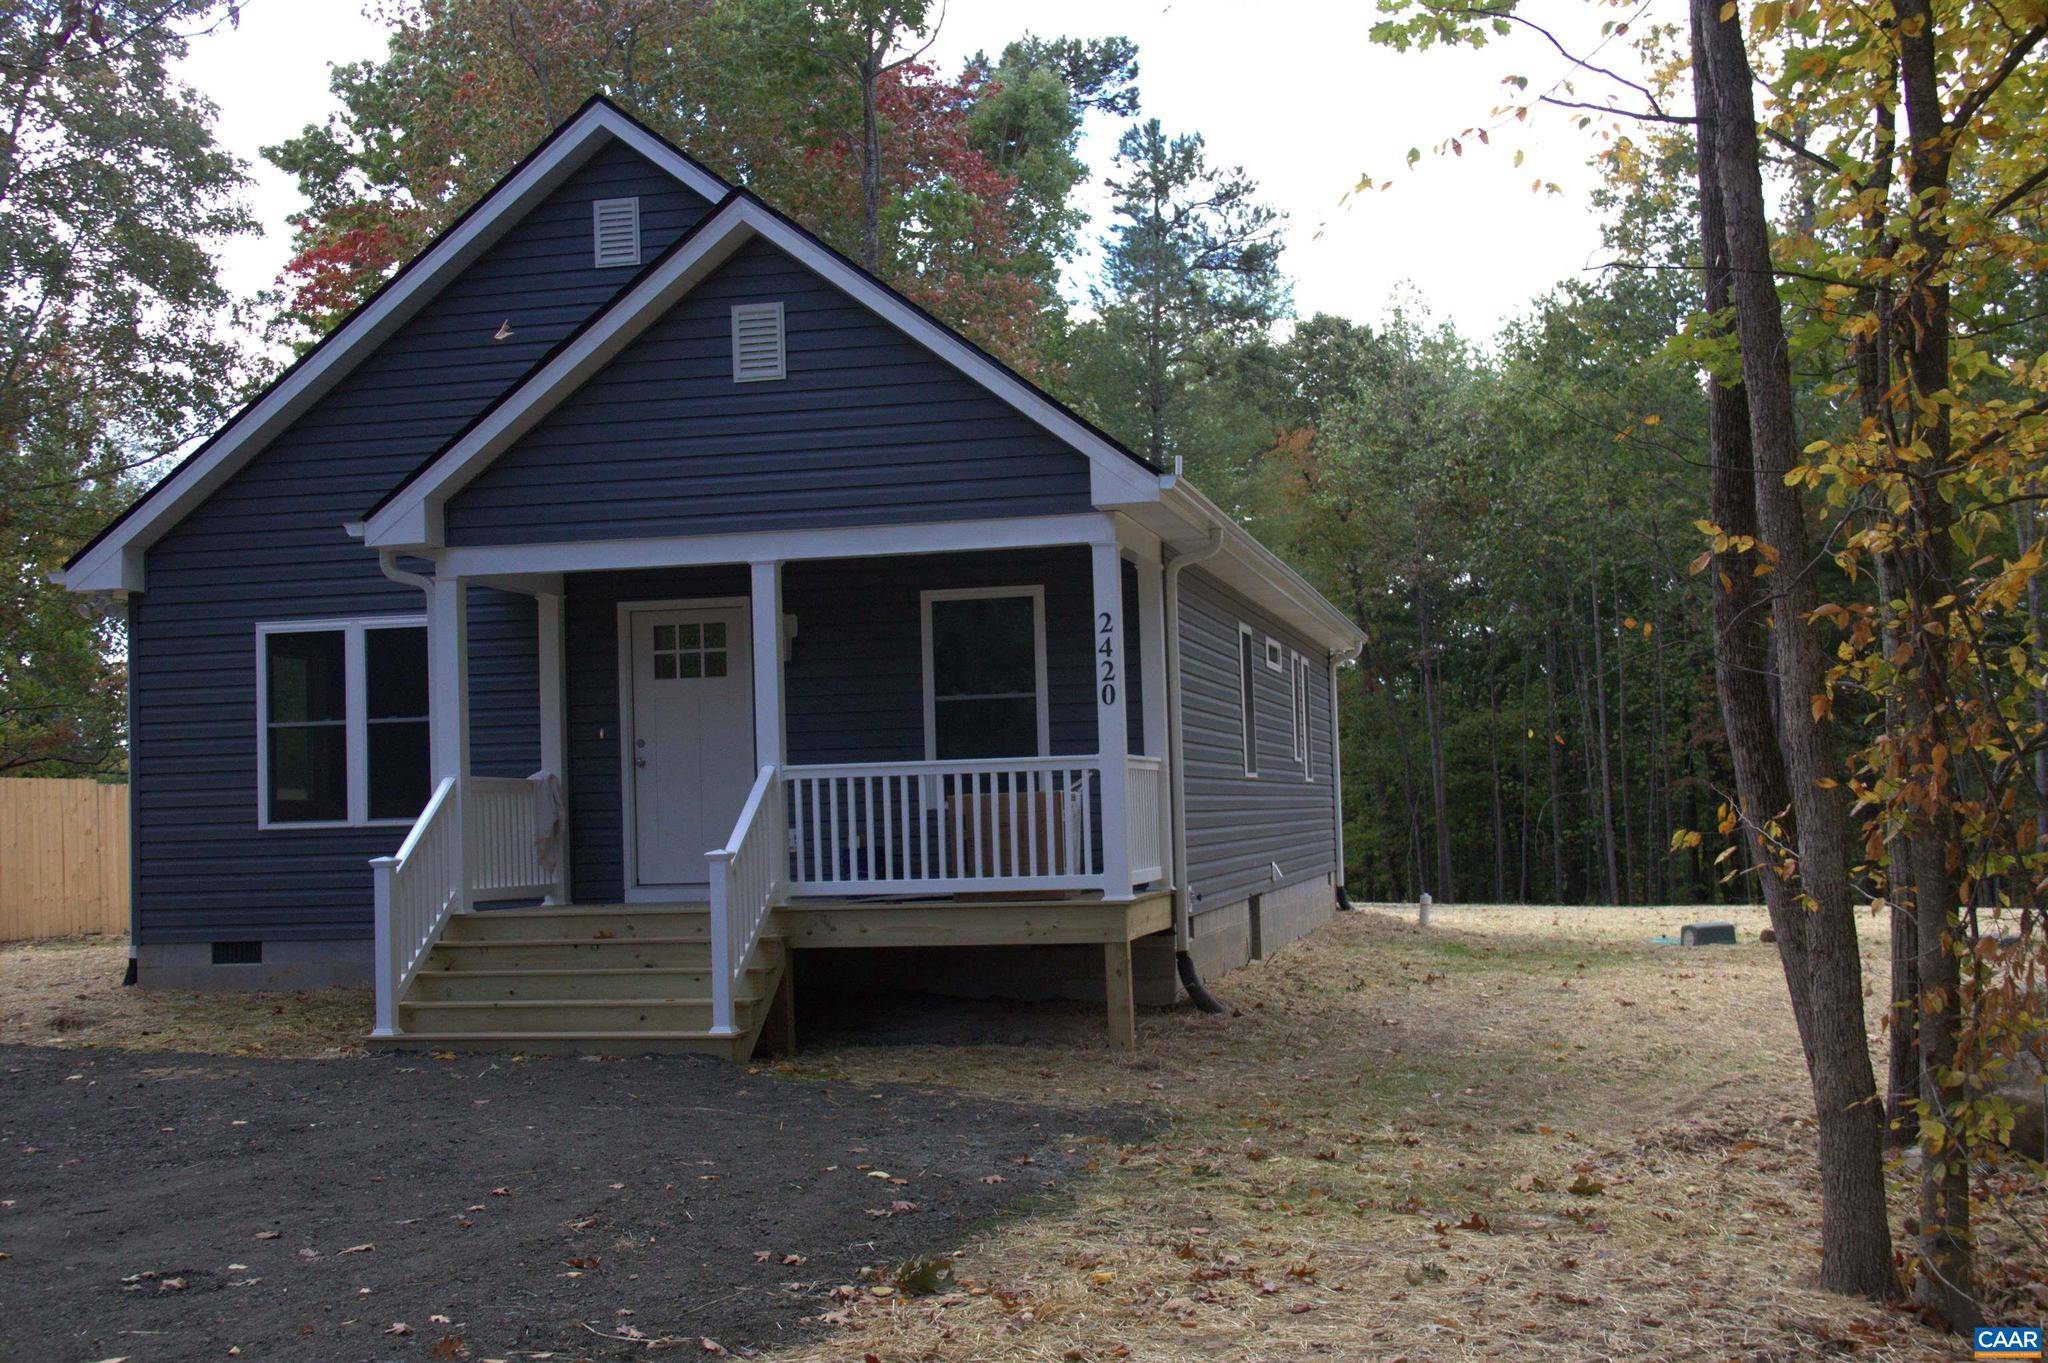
<point>342,734</point>
<point>984,673</point>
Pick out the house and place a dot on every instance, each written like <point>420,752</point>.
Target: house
<point>637,569</point>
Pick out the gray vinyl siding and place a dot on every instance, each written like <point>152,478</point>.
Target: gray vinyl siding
<point>1238,825</point>
<point>504,683</point>
<point>868,428</point>
<point>853,687</point>
<point>269,546</point>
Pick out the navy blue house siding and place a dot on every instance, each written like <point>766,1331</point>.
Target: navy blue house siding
<point>1238,826</point>
<point>269,546</point>
<point>868,428</point>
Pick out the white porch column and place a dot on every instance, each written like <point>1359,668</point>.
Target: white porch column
<point>554,756</point>
<point>1152,673</point>
<point>448,702</point>
<point>1111,724</point>
<point>768,722</point>
<point>547,608</point>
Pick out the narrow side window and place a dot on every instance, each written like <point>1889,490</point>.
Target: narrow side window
<point>1248,698</point>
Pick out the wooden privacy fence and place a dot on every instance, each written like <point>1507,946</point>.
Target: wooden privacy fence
<point>63,858</point>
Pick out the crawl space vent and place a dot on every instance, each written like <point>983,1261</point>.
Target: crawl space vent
<point>238,953</point>
<point>757,347</point>
<point>616,225</point>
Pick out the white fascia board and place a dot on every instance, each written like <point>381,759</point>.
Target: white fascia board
<point>767,546</point>
<point>412,519</point>
<point>116,562</point>
<point>1258,573</point>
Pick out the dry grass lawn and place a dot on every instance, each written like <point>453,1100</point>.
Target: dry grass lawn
<point>68,992</point>
<point>1523,1133</point>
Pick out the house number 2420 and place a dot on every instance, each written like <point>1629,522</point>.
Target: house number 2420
<point>1106,630</point>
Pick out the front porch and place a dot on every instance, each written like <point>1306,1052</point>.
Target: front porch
<point>936,747</point>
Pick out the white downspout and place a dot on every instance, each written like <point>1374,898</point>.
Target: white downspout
<point>1176,775</point>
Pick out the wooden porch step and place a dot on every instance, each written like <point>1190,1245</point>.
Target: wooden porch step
<point>685,952</point>
<point>577,1043</point>
<point>551,1017</point>
<point>569,982</point>
<point>495,924</point>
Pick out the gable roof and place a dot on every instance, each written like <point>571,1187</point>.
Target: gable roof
<point>113,559</point>
<point>408,516</point>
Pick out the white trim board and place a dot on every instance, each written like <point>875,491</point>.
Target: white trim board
<point>689,551</point>
<point>115,562</point>
<point>1041,680</point>
<point>355,717</point>
<point>411,518</point>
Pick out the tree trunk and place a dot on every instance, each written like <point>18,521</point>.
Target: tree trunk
<point>1606,791</point>
<point>1631,885</point>
<point>1855,1236</point>
<point>1554,759</point>
<point>870,159</point>
<point>1446,889</point>
<point>1948,1283</point>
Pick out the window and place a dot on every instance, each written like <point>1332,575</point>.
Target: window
<point>984,673</point>
<point>343,738</point>
<point>615,232</point>
<point>1247,697</point>
<point>686,652</point>
<point>1276,656</point>
<point>1301,713</point>
<point>757,343</point>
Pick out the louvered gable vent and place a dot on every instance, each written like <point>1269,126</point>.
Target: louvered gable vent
<point>616,224</point>
<point>757,347</point>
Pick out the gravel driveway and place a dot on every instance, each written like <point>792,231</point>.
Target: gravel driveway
<point>168,1207</point>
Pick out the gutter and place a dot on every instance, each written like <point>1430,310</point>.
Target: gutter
<point>1176,776</point>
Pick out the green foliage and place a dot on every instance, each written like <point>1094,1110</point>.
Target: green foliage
<point>112,192</point>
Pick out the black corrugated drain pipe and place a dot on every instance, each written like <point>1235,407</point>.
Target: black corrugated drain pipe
<point>1198,993</point>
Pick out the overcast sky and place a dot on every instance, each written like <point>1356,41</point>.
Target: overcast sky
<point>1300,97</point>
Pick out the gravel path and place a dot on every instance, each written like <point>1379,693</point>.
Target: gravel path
<point>161,1207</point>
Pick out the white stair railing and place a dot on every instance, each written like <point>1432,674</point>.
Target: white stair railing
<point>991,824</point>
<point>416,891</point>
<point>749,876</point>
<point>477,839</point>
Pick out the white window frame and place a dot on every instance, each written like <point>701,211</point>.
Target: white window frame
<point>924,611</point>
<point>1247,705</point>
<point>1276,654</point>
<point>355,712</point>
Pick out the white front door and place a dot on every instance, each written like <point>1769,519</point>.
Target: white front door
<point>691,740</point>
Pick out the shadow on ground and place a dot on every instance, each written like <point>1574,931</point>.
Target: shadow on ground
<point>170,1206</point>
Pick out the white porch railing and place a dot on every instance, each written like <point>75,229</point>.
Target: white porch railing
<point>1145,815</point>
<point>504,840</point>
<point>476,839</point>
<point>946,827</point>
<point>748,876</point>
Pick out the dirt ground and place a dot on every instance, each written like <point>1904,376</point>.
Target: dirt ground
<point>177,1206</point>
<point>1524,1132</point>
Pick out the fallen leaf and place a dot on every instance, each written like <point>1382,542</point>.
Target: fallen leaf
<point>363,1248</point>
<point>398,1327</point>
